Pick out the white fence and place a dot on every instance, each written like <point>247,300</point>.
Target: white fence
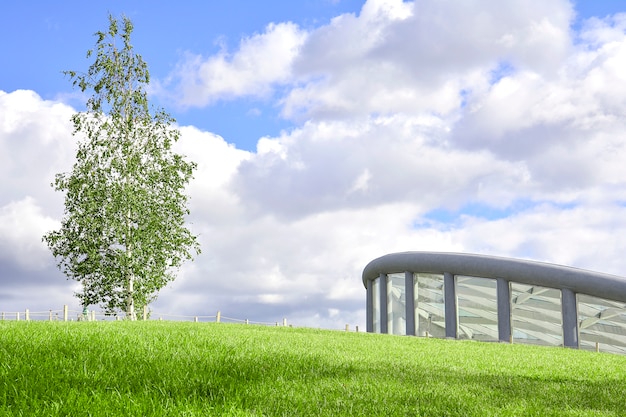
<point>65,314</point>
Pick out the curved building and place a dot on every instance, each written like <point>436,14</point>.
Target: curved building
<point>466,296</point>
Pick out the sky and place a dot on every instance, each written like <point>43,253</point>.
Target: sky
<point>329,133</point>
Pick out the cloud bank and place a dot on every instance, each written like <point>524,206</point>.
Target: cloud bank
<point>488,127</point>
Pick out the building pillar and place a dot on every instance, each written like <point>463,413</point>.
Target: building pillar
<point>449,291</point>
<point>369,307</point>
<point>409,296</point>
<point>570,318</point>
<point>383,303</point>
<point>504,310</point>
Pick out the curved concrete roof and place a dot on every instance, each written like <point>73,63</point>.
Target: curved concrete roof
<point>597,284</point>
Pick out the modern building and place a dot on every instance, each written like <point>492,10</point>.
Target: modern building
<point>487,298</point>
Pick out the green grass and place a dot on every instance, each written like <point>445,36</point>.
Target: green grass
<point>203,369</point>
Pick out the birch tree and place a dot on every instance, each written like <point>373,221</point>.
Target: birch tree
<point>123,235</point>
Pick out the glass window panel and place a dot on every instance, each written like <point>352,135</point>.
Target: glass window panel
<point>536,316</point>
<point>429,305</point>
<point>477,308</point>
<point>396,304</point>
<point>376,305</point>
<point>601,322</point>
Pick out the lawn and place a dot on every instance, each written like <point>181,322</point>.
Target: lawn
<point>159,368</point>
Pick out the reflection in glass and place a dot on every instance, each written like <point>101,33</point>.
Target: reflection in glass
<point>376,305</point>
<point>536,316</point>
<point>477,308</point>
<point>396,304</point>
<point>429,305</point>
<point>602,324</point>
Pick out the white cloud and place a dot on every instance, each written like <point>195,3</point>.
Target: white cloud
<point>599,31</point>
<point>421,59</point>
<point>217,161</point>
<point>393,56</point>
<point>262,61</point>
<point>361,184</point>
<point>35,143</point>
<point>567,129</point>
<point>22,225</point>
<point>388,159</point>
<point>588,236</point>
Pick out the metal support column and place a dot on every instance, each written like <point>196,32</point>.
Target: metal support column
<point>369,307</point>
<point>410,303</point>
<point>450,304</point>
<point>504,310</point>
<point>570,318</point>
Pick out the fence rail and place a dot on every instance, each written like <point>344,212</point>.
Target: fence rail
<point>65,314</point>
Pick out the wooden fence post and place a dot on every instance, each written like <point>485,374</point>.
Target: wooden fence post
<point>347,327</point>
<point>357,329</point>
<point>218,317</point>
<point>27,315</point>
<point>17,316</point>
<point>65,312</point>
<point>247,321</point>
<point>50,316</point>
<point>93,315</point>
<point>145,313</point>
<point>3,316</point>
<point>284,322</point>
<point>195,319</point>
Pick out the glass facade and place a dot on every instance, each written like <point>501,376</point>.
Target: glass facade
<point>376,305</point>
<point>477,308</point>
<point>429,305</point>
<point>602,324</point>
<point>396,304</point>
<point>536,316</point>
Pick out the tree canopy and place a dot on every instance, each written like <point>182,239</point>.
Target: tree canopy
<point>123,234</point>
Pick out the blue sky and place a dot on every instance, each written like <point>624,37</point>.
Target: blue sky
<point>328,133</point>
<point>52,37</point>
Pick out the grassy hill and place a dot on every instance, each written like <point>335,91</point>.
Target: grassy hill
<point>204,369</point>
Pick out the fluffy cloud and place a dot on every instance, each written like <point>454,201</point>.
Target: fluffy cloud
<point>35,143</point>
<point>262,61</point>
<point>329,166</point>
<point>420,56</point>
<point>217,162</point>
<point>22,224</point>
<point>587,235</point>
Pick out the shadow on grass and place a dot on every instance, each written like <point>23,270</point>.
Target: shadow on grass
<point>283,384</point>
<point>195,374</point>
